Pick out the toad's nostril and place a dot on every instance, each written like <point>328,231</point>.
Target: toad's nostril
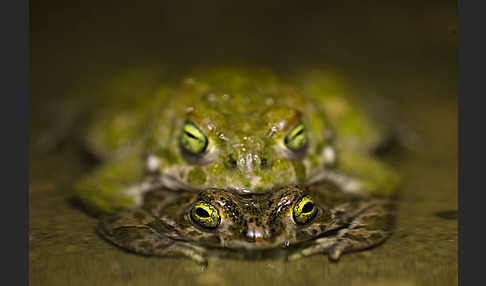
<point>264,162</point>
<point>232,161</point>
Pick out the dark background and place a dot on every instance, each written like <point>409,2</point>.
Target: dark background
<point>71,41</point>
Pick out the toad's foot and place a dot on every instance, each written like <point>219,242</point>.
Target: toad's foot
<point>371,225</point>
<point>137,231</point>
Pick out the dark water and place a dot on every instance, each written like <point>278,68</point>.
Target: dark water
<point>404,51</point>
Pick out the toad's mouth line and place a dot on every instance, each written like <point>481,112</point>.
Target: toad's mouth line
<point>261,246</point>
<point>271,252</point>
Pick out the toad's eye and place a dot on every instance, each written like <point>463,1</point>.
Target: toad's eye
<point>193,140</point>
<point>297,138</point>
<point>205,215</point>
<point>304,210</point>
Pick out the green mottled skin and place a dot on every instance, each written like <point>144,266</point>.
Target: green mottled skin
<point>246,115</point>
<point>255,226</point>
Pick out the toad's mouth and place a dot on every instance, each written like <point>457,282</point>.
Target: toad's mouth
<point>254,245</point>
<point>172,182</point>
<point>255,251</point>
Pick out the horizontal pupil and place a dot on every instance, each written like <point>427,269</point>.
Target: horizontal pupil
<point>308,207</point>
<point>202,212</point>
<point>300,132</point>
<point>191,135</point>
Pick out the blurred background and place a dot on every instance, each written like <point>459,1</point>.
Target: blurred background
<point>70,41</point>
<point>403,50</point>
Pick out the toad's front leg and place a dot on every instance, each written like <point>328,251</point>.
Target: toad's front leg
<point>138,231</point>
<point>368,226</point>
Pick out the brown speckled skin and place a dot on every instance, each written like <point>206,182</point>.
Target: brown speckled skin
<point>256,226</point>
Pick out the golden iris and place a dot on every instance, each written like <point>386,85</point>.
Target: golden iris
<point>205,215</point>
<point>193,140</point>
<point>304,210</point>
<point>297,137</point>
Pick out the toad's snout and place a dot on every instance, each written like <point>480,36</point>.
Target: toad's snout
<point>257,235</point>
